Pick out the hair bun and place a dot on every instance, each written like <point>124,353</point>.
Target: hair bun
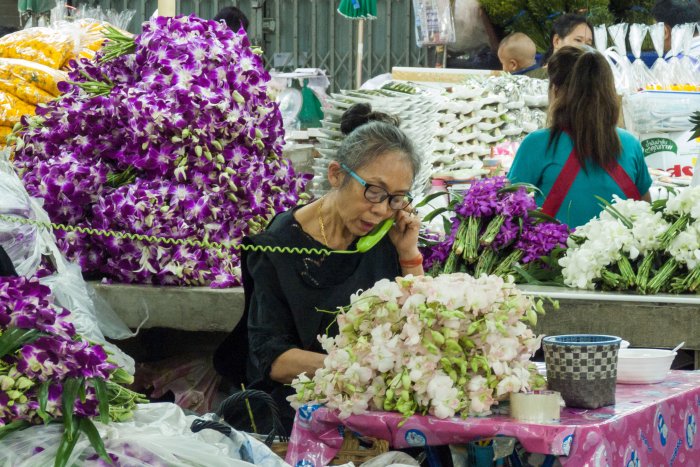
<point>359,114</point>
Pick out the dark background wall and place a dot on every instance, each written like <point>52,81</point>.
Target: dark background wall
<point>8,13</point>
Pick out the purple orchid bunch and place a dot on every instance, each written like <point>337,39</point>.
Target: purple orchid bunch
<point>49,373</point>
<point>175,139</point>
<point>495,229</point>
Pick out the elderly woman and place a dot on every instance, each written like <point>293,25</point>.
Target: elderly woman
<point>287,293</point>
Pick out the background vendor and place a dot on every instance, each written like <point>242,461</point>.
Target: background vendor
<point>568,29</point>
<point>582,154</point>
<point>286,294</point>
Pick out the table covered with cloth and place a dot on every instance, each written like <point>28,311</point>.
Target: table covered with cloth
<point>653,424</point>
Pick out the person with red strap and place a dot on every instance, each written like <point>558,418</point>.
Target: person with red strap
<point>582,155</point>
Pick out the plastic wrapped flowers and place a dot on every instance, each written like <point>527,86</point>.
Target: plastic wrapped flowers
<point>170,134</point>
<point>48,373</point>
<point>648,248</point>
<point>444,346</point>
<point>495,229</point>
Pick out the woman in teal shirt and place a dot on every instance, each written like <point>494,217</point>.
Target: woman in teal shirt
<point>582,155</point>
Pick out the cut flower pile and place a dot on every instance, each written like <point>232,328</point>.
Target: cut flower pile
<point>649,248</point>
<point>170,134</point>
<point>444,346</point>
<point>49,373</point>
<point>493,229</point>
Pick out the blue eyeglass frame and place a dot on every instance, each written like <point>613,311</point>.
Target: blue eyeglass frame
<point>389,196</point>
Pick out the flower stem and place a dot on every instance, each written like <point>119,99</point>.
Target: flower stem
<point>492,230</point>
<point>644,271</point>
<point>471,240</point>
<point>506,266</point>
<point>663,276</point>
<point>611,279</point>
<point>626,271</point>
<point>674,230</point>
<point>692,281</point>
<point>485,263</point>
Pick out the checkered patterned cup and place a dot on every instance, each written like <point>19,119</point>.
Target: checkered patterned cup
<point>583,368</point>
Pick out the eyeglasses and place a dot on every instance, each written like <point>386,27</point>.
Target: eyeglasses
<point>376,194</point>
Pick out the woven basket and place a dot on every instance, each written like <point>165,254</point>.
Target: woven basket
<point>350,450</point>
<point>583,368</point>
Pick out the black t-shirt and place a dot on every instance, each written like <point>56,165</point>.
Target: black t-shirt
<point>283,293</point>
<point>6,266</point>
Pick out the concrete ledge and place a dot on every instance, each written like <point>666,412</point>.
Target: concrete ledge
<point>183,308</point>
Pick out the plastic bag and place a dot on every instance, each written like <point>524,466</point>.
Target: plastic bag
<point>640,76</point>
<point>12,108</point>
<point>660,67</point>
<point>47,46</point>
<point>27,244</point>
<point>680,72</point>
<point>158,435</point>
<point>41,76</point>
<point>434,22</point>
<point>618,55</point>
<point>191,378</point>
<point>600,35</point>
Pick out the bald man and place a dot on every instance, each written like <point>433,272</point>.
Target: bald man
<point>517,54</point>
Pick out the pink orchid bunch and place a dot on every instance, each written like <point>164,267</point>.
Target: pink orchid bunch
<point>445,346</point>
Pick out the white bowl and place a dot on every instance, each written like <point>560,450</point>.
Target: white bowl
<point>643,366</point>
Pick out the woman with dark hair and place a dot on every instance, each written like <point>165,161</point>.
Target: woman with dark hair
<point>568,29</point>
<point>370,177</point>
<point>582,155</point>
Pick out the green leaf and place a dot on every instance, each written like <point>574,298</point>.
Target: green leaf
<point>68,441</point>
<point>695,120</point>
<point>43,401</point>
<point>93,435</point>
<point>605,204</point>
<point>71,389</point>
<point>539,215</point>
<point>102,398</point>
<point>14,338</point>
<point>12,427</point>
<point>429,198</point>
<point>447,225</point>
<point>434,214</point>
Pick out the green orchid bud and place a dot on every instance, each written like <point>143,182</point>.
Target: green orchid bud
<point>217,145</point>
<point>350,387</point>
<point>475,365</point>
<point>13,394</point>
<point>229,171</point>
<point>532,316</point>
<point>453,346</point>
<point>17,127</point>
<point>198,150</point>
<point>390,394</point>
<point>208,156</point>
<point>453,375</point>
<point>462,381</point>
<point>406,381</point>
<point>183,162</point>
<point>405,395</point>
<point>432,349</point>
<point>437,337</point>
<point>6,383</point>
<point>259,144</point>
<point>149,220</point>
<point>238,97</point>
<point>175,139</point>
<point>472,328</point>
<point>144,146</point>
<point>388,404</point>
<point>220,159</point>
<point>232,197</point>
<point>24,383</point>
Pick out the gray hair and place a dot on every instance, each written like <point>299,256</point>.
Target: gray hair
<point>372,139</point>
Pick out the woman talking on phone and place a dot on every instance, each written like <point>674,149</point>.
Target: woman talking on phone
<point>371,178</point>
<point>582,156</point>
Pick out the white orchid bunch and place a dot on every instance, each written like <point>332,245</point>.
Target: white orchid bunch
<point>604,248</point>
<point>444,346</point>
<point>634,245</point>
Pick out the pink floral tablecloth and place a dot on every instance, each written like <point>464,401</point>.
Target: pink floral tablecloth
<point>650,425</point>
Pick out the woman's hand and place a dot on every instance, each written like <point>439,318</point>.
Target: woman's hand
<point>404,233</point>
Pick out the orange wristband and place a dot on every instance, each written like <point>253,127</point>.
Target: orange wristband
<point>412,263</point>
